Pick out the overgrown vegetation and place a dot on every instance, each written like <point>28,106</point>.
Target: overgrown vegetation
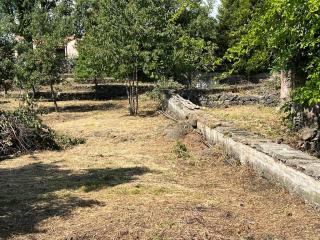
<point>23,132</point>
<point>282,35</point>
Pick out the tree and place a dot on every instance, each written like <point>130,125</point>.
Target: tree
<point>6,56</point>
<point>194,41</point>
<point>90,63</point>
<point>50,29</point>
<point>234,17</point>
<point>287,32</point>
<point>162,39</point>
<point>42,26</point>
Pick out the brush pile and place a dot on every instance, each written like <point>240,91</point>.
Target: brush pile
<point>23,132</point>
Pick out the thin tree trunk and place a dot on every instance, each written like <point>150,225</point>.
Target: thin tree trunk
<point>137,93</point>
<point>130,98</point>
<point>34,91</point>
<point>133,99</point>
<point>287,84</point>
<point>128,89</point>
<point>95,80</point>
<point>33,97</point>
<point>53,96</point>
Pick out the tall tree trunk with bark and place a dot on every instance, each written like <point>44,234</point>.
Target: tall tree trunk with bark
<point>133,93</point>
<point>54,97</point>
<point>287,84</point>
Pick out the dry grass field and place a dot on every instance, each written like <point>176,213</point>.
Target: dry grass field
<point>125,182</point>
<point>263,120</point>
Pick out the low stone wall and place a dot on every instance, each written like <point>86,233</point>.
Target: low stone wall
<point>102,92</point>
<point>307,122</point>
<point>224,99</point>
<point>295,170</point>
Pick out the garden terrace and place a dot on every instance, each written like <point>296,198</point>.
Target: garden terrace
<point>125,182</point>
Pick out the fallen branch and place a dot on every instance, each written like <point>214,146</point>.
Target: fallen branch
<point>168,116</point>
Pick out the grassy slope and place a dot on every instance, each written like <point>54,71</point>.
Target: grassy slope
<point>125,183</point>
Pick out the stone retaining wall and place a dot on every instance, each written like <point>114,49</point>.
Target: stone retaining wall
<point>102,92</point>
<point>307,121</point>
<point>295,170</point>
<point>217,100</point>
<point>221,99</point>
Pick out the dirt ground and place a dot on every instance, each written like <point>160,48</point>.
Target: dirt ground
<point>125,182</point>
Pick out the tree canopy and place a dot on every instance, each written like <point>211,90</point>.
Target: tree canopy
<point>284,35</point>
<point>163,39</point>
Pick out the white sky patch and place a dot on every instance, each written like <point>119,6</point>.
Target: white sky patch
<point>215,8</point>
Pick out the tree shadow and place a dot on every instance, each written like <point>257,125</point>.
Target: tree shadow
<point>81,108</point>
<point>28,195</point>
<point>148,113</point>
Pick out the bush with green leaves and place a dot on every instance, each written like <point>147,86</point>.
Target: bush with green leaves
<point>181,150</point>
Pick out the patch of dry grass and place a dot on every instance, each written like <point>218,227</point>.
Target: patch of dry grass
<point>266,121</point>
<point>125,183</point>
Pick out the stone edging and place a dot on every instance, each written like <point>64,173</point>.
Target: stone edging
<point>297,171</point>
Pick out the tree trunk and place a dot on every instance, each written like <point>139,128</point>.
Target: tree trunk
<point>95,80</point>
<point>287,85</point>
<point>34,91</point>
<point>189,79</point>
<point>6,86</point>
<point>133,93</point>
<point>137,93</point>
<point>130,96</point>
<point>53,96</point>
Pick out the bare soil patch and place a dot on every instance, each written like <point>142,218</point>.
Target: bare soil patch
<point>126,183</point>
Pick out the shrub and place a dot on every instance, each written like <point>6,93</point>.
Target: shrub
<point>180,150</point>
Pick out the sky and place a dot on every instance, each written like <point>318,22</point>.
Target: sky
<point>215,11</point>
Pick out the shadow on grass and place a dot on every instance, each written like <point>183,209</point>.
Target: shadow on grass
<point>81,108</point>
<point>148,113</point>
<point>27,194</point>
<point>4,102</point>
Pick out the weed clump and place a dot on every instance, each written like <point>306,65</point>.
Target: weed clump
<point>180,150</point>
<point>23,132</point>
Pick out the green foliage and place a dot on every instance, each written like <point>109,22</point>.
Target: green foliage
<point>181,150</point>
<point>161,38</point>
<point>90,64</point>
<point>234,20</point>
<point>42,28</point>
<point>65,141</point>
<point>6,54</point>
<point>284,34</point>
<point>23,132</point>
<point>308,95</point>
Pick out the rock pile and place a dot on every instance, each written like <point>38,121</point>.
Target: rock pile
<point>307,121</point>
